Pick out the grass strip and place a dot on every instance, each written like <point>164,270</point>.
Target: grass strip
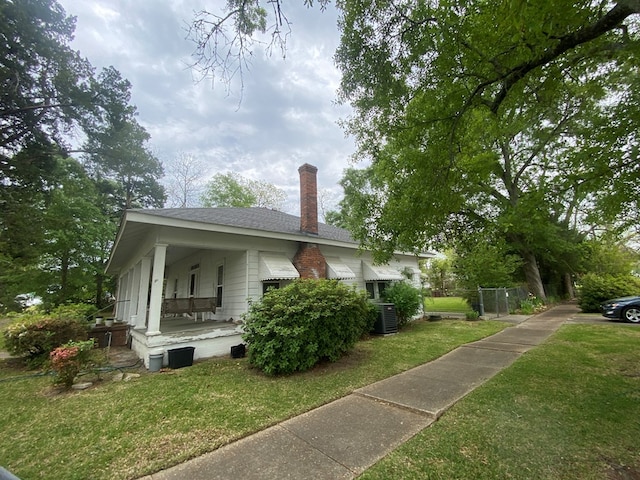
<point>126,430</point>
<point>568,409</point>
<point>446,304</point>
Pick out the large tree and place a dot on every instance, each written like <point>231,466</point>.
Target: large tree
<point>233,190</point>
<point>54,220</point>
<point>117,150</point>
<point>493,116</point>
<point>184,181</point>
<point>502,121</point>
<point>45,84</point>
<point>77,236</point>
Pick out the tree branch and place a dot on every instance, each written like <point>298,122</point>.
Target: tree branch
<point>611,20</point>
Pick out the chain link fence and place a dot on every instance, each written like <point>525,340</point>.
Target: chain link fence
<point>499,301</point>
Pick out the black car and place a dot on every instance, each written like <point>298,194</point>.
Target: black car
<point>625,308</point>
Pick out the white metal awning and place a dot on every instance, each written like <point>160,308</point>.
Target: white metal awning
<point>380,272</point>
<point>337,269</point>
<point>274,266</point>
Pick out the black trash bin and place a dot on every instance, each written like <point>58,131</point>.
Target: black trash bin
<point>181,357</point>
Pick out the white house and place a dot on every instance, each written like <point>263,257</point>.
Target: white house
<point>176,266</point>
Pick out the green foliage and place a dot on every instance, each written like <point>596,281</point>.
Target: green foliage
<point>293,328</point>
<point>56,222</point>
<point>233,190</point>
<point>485,263</point>
<point>472,315</point>
<point>34,338</point>
<point>117,148</point>
<point>44,81</point>
<point>531,305</point>
<point>227,190</point>
<point>78,311</point>
<point>406,298</point>
<point>596,289</point>
<point>492,120</point>
<point>440,274</point>
<point>608,256</point>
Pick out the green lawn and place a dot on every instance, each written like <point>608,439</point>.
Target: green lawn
<point>127,430</point>
<point>446,304</point>
<point>569,409</point>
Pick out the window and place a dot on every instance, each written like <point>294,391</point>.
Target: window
<point>175,288</point>
<point>219,287</point>
<point>376,289</point>
<point>266,286</point>
<point>370,289</point>
<point>193,280</point>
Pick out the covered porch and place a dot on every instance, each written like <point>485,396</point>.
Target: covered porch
<point>209,338</point>
<point>176,296</point>
<point>194,295</point>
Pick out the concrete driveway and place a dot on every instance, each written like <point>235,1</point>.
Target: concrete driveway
<point>596,318</point>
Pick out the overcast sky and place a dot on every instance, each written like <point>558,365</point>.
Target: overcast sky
<point>286,115</point>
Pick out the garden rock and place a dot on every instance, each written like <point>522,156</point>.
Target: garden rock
<point>81,385</point>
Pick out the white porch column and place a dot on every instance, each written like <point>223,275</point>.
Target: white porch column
<point>117,310</point>
<point>157,282</point>
<point>135,293</point>
<point>126,310</point>
<point>143,293</point>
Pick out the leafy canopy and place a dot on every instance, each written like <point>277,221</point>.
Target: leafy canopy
<point>490,120</point>
<point>233,190</point>
<point>58,216</point>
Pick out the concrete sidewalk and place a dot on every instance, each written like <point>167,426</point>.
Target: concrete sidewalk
<point>345,437</point>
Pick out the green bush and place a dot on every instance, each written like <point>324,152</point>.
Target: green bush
<point>472,315</point>
<point>293,328</point>
<point>406,298</point>
<point>80,311</point>
<point>530,306</point>
<point>596,289</point>
<point>34,338</point>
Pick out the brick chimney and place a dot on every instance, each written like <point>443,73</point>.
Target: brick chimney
<point>308,199</point>
<point>309,260</point>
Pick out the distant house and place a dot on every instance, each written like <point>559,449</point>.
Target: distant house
<point>186,276</point>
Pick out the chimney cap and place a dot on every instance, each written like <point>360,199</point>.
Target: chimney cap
<point>307,167</point>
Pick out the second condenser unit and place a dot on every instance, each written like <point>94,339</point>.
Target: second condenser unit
<point>387,322</point>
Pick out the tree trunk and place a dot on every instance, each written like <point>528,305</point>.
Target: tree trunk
<point>568,286</point>
<point>532,274</point>
<point>64,279</point>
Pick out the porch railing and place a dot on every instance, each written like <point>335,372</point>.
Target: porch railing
<point>189,305</point>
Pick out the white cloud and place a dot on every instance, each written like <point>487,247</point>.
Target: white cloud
<point>287,115</point>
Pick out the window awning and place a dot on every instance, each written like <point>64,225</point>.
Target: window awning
<point>274,266</point>
<point>380,272</point>
<point>337,269</point>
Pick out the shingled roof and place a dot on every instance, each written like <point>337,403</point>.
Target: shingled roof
<point>254,218</point>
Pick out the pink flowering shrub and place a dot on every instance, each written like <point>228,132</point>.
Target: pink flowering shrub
<point>68,360</point>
